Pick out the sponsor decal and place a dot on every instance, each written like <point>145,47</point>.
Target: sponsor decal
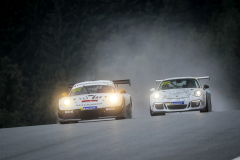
<point>94,100</point>
<point>108,109</point>
<point>89,108</point>
<point>68,111</point>
<point>179,102</point>
<point>77,89</point>
<point>87,104</point>
<point>165,83</point>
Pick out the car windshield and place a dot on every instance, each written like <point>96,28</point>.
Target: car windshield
<point>92,89</point>
<point>179,83</point>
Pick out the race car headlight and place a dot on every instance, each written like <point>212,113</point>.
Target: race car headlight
<point>156,95</point>
<point>113,99</point>
<point>197,93</point>
<point>66,102</point>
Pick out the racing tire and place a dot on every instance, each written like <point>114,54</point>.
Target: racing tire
<point>210,107</point>
<point>129,110</point>
<point>151,112</point>
<point>155,114</point>
<point>124,112</point>
<point>207,108</point>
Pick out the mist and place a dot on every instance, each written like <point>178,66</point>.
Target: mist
<point>145,56</point>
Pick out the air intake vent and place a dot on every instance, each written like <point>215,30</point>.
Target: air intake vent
<point>177,106</point>
<point>159,105</point>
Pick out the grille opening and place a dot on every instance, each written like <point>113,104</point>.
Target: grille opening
<point>177,106</point>
<point>195,104</point>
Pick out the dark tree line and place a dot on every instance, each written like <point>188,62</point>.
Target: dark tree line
<point>44,43</point>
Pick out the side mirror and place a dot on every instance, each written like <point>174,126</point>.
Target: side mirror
<point>122,91</point>
<point>152,90</point>
<point>64,94</point>
<point>205,86</point>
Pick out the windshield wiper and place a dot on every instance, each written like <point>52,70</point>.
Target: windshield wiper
<point>86,89</point>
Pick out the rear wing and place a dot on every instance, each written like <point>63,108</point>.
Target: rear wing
<point>205,77</point>
<point>70,86</point>
<point>125,81</point>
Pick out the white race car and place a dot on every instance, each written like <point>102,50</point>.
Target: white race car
<point>95,99</point>
<point>180,94</point>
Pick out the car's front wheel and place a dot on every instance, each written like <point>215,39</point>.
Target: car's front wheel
<point>129,110</point>
<point>208,107</point>
<point>124,111</point>
<point>151,112</point>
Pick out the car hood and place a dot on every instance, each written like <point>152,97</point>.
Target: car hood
<point>98,99</point>
<point>178,93</point>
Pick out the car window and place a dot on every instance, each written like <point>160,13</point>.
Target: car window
<point>179,83</point>
<point>92,89</point>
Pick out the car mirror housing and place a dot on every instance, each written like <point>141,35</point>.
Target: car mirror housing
<point>122,91</point>
<point>205,86</point>
<point>64,94</point>
<point>152,90</point>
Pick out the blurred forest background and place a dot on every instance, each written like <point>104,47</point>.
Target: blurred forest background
<point>46,44</point>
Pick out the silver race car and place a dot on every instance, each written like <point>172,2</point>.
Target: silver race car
<point>180,94</point>
<point>95,99</point>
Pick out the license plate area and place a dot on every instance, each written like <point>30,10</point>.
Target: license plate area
<point>176,103</point>
<point>89,108</point>
<point>110,109</point>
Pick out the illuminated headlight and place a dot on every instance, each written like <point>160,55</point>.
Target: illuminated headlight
<point>156,95</point>
<point>198,93</point>
<point>66,102</point>
<point>113,99</point>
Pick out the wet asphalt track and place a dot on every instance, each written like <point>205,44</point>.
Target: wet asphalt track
<point>196,135</point>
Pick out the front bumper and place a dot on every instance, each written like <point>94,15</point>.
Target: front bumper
<point>164,107</point>
<point>78,114</point>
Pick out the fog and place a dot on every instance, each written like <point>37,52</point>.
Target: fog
<point>145,55</point>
